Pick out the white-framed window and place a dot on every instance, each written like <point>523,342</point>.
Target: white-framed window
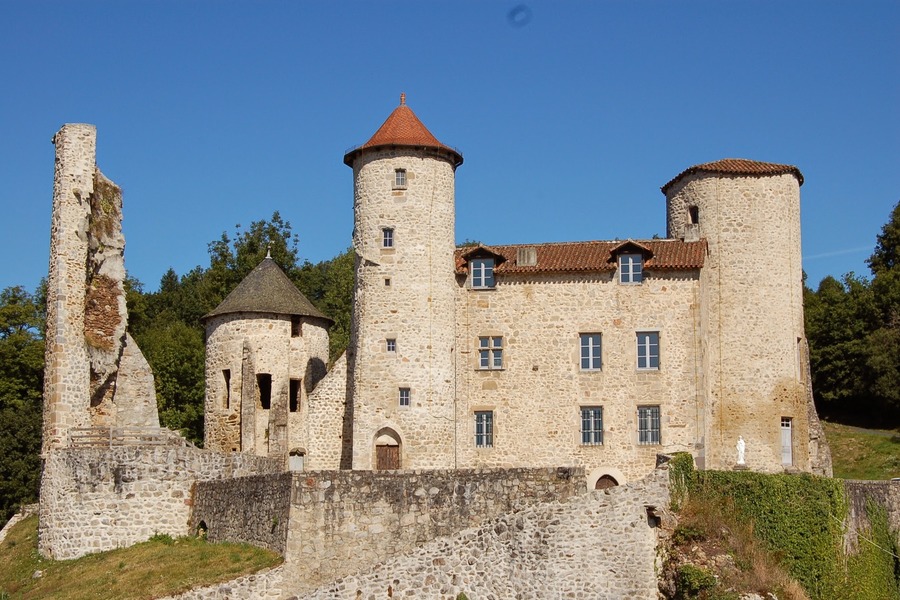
<point>399,178</point>
<point>648,350</point>
<point>387,237</point>
<point>490,353</point>
<point>631,268</point>
<point>404,397</point>
<point>484,429</point>
<point>390,345</point>
<point>590,352</point>
<point>648,425</point>
<point>591,425</point>
<point>482,272</point>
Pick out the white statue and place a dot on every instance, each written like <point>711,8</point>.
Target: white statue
<point>741,448</point>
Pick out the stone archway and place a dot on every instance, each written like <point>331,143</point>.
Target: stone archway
<point>387,450</point>
<point>297,459</point>
<point>604,478</point>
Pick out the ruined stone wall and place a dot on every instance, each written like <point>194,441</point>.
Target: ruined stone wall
<point>235,419</point>
<point>404,293</point>
<point>342,521</point>
<point>86,312</point>
<point>66,374</point>
<point>537,397</point>
<point>252,510</point>
<point>95,499</point>
<point>752,320</point>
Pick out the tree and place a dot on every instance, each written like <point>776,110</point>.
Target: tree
<point>21,386</point>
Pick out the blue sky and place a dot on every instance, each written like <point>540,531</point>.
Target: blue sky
<point>570,115</point>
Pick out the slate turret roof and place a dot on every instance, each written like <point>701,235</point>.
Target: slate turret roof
<point>403,129</point>
<point>738,166</point>
<point>266,289</point>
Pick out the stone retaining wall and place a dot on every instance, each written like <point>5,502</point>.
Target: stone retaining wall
<point>253,510</point>
<point>597,545</point>
<point>342,521</point>
<point>95,499</point>
<point>885,493</point>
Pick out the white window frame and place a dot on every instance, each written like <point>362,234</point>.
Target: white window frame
<point>482,273</point>
<point>591,351</point>
<point>484,429</point>
<point>390,344</point>
<point>631,268</point>
<point>649,425</point>
<point>647,342</point>
<point>400,179</point>
<point>490,353</point>
<point>591,425</point>
<point>387,237</point>
<point>787,445</point>
<point>404,397</point>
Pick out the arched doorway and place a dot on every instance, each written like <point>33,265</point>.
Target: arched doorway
<point>605,482</point>
<point>387,450</point>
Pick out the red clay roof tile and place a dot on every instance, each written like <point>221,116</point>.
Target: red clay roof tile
<point>403,128</point>
<point>568,257</point>
<point>738,166</point>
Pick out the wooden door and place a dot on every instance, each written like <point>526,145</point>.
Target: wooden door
<point>387,457</point>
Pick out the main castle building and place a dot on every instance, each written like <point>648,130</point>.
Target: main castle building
<point>598,354</point>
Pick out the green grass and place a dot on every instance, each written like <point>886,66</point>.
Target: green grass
<point>159,567</point>
<point>863,454</point>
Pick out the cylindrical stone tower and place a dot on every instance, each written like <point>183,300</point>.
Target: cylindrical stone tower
<point>754,383</point>
<point>401,355</point>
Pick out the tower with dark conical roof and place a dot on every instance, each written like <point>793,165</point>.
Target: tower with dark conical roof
<point>401,355</point>
<point>266,348</point>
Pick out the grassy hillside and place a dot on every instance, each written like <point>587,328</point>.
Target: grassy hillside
<point>863,453</point>
<point>159,567</point>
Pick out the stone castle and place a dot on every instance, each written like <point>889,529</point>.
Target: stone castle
<point>486,393</point>
<point>596,354</point>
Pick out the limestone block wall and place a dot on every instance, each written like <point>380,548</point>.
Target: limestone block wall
<point>595,545</point>
<point>404,293</point>
<point>95,499</point>
<point>252,509</point>
<point>752,320</point>
<point>264,585</point>
<point>537,397</point>
<point>250,344</point>
<point>342,521</point>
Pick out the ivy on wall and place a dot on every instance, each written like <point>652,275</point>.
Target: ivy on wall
<point>800,518</point>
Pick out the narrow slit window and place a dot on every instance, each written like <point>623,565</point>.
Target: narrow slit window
<point>226,376</point>
<point>294,397</point>
<point>264,385</point>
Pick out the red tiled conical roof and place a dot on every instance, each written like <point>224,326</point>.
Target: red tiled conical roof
<point>403,128</point>
<point>738,166</point>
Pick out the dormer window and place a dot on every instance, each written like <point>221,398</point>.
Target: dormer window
<point>631,268</point>
<point>400,179</point>
<point>482,272</point>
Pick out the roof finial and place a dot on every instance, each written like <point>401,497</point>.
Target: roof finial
<point>402,98</point>
<point>268,250</point>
